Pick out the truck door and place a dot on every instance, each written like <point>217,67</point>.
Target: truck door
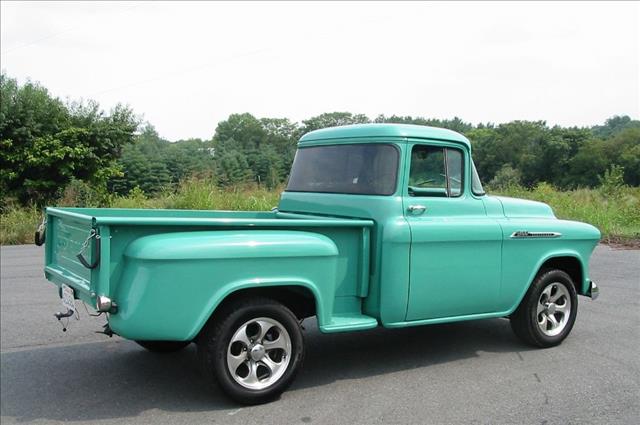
<point>455,248</point>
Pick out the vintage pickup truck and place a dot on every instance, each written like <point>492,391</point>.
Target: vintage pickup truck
<point>379,225</point>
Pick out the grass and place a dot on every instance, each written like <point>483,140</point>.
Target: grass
<point>615,211</point>
<point>18,225</point>
<point>197,194</point>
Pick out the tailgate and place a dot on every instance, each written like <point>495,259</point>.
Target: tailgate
<point>66,236</point>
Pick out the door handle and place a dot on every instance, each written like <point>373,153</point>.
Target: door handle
<point>417,209</point>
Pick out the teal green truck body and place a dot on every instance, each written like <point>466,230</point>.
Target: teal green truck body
<point>380,249</point>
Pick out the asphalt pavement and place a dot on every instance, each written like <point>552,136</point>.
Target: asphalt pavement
<point>470,372</point>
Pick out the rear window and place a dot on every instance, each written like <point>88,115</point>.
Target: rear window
<point>362,169</point>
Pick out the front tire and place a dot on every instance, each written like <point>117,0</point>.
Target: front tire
<point>548,311</point>
<point>252,349</point>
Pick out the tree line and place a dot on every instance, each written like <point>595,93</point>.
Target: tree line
<point>46,144</point>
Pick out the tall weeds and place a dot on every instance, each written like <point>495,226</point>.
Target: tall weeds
<point>613,208</point>
<point>18,225</point>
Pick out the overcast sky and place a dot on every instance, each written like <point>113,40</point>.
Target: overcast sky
<point>186,66</point>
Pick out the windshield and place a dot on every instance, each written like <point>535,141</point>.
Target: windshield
<point>360,169</point>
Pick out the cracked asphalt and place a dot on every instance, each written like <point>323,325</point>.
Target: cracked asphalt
<point>470,372</point>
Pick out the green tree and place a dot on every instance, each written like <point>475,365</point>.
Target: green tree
<point>595,156</point>
<point>282,135</point>
<point>187,158</point>
<point>244,129</point>
<point>45,143</point>
<point>531,148</point>
<point>267,146</point>
<point>332,119</point>
<point>483,155</point>
<point>506,177</point>
<point>232,168</point>
<point>588,163</point>
<point>455,124</point>
<point>611,182</point>
<point>625,152</point>
<point>614,125</point>
<point>268,166</point>
<point>143,164</point>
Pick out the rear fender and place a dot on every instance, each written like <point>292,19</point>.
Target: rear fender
<point>171,283</point>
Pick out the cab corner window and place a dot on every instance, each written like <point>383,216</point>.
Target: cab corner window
<point>435,171</point>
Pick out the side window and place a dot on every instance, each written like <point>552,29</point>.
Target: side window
<point>435,171</point>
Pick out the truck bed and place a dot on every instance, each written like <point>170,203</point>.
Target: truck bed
<point>69,228</point>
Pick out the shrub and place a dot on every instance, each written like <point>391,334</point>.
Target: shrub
<point>612,182</point>
<point>506,177</point>
<point>80,194</point>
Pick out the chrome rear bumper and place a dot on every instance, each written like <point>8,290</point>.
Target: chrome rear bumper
<point>593,291</point>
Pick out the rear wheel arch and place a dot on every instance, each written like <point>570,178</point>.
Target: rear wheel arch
<point>300,299</point>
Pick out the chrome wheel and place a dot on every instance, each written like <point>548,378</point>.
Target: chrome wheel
<point>553,309</point>
<point>259,353</point>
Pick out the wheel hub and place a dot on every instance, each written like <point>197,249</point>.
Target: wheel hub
<point>554,309</point>
<point>551,308</point>
<point>257,352</point>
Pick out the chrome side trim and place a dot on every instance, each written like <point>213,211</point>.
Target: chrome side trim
<point>524,234</point>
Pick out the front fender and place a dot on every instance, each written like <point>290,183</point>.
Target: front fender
<point>534,271</point>
<point>171,283</point>
<point>523,257</point>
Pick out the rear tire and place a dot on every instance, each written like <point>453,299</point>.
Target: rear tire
<point>253,350</point>
<point>548,311</point>
<point>163,346</point>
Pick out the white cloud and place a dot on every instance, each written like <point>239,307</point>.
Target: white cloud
<point>186,66</point>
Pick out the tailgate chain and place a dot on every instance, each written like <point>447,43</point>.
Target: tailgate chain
<point>93,234</point>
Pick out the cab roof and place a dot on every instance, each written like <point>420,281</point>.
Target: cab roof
<point>382,132</point>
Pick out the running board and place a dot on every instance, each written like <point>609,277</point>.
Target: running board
<point>349,322</point>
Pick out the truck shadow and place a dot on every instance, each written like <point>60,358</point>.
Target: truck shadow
<point>380,351</point>
<point>118,379</point>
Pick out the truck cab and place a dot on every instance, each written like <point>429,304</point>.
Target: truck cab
<point>442,249</point>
